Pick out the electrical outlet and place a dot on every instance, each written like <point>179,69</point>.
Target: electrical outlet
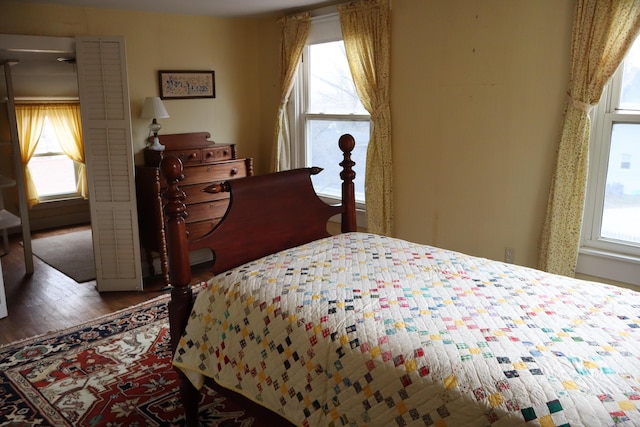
<point>509,255</point>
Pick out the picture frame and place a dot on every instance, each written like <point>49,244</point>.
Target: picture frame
<point>185,84</point>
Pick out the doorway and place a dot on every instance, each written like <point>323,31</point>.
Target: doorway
<point>45,72</point>
<point>106,127</point>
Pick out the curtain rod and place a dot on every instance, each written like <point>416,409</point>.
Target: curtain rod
<point>42,99</point>
<point>322,11</point>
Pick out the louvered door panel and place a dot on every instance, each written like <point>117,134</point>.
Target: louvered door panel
<point>118,256</point>
<point>104,103</point>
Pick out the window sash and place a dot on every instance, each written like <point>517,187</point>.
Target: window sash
<point>39,154</point>
<point>357,156</point>
<point>298,111</point>
<point>604,116</point>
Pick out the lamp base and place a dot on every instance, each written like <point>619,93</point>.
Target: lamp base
<point>156,146</point>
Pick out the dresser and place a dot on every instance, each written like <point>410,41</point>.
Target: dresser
<point>204,163</point>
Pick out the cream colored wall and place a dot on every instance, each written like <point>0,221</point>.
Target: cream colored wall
<point>477,96</point>
<point>268,58</point>
<point>168,42</point>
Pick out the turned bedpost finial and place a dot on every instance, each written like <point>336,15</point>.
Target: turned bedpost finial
<point>347,143</point>
<point>175,212</point>
<point>171,168</point>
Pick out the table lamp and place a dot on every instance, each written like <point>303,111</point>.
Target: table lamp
<point>154,109</point>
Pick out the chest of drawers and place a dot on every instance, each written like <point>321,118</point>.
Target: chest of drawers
<point>204,163</point>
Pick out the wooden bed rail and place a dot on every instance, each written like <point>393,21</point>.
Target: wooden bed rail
<point>266,213</point>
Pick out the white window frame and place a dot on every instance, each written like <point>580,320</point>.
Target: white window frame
<point>324,28</point>
<point>599,256</point>
<point>58,196</point>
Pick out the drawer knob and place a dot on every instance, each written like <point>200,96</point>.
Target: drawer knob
<point>209,154</point>
<point>234,171</point>
<point>193,155</point>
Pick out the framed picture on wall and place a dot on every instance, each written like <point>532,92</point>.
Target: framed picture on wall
<point>186,84</point>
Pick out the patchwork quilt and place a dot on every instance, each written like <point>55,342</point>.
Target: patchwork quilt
<point>360,329</point>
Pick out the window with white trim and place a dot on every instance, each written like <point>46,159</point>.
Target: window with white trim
<point>325,106</point>
<point>53,172</point>
<point>611,227</point>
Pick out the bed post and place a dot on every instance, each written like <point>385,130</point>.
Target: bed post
<point>180,275</point>
<point>347,144</point>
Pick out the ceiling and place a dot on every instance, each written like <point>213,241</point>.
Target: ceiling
<point>227,8</point>
<point>42,67</point>
<point>49,74</point>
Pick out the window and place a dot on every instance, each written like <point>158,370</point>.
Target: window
<point>325,106</point>
<point>611,226</point>
<point>53,172</point>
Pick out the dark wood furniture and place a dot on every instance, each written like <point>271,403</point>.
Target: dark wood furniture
<point>204,163</point>
<point>267,213</point>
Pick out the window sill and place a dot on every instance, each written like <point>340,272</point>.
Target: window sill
<point>361,213</point>
<point>609,265</point>
<point>64,199</point>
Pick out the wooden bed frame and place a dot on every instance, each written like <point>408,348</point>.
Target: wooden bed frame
<point>266,214</point>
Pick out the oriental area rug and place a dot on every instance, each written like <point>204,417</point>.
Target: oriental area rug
<point>114,371</point>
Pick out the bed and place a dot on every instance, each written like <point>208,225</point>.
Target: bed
<point>361,329</point>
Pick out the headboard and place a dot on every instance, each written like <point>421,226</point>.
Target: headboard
<point>266,213</point>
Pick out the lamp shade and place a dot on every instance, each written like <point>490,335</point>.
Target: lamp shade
<point>154,109</point>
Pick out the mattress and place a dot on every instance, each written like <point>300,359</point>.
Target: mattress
<point>361,329</point>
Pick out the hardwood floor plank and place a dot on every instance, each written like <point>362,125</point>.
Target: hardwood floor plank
<point>48,300</point>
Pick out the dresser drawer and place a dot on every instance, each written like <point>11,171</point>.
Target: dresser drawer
<point>192,155</point>
<point>206,210</point>
<point>200,228</point>
<point>208,174</point>
<point>187,156</point>
<point>216,154</point>
<point>196,195</point>
<point>222,171</point>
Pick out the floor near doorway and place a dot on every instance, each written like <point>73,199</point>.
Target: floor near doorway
<point>48,300</point>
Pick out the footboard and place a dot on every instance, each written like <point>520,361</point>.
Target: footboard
<point>266,213</point>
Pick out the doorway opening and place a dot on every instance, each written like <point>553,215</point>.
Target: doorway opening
<point>44,72</point>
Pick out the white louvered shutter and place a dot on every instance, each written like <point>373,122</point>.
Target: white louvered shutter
<point>106,128</point>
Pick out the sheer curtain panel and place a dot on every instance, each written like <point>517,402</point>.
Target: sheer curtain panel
<point>30,120</point>
<point>366,31</point>
<point>65,119</point>
<point>295,30</point>
<point>603,31</point>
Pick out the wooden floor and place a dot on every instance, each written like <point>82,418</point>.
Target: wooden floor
<point>48,300</point>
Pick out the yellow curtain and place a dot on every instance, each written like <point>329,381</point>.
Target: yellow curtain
<point>65,119</point>
<point>295,30</point>
<point>603,31</point>
<point>367,37</point>
<point>30,119</point>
